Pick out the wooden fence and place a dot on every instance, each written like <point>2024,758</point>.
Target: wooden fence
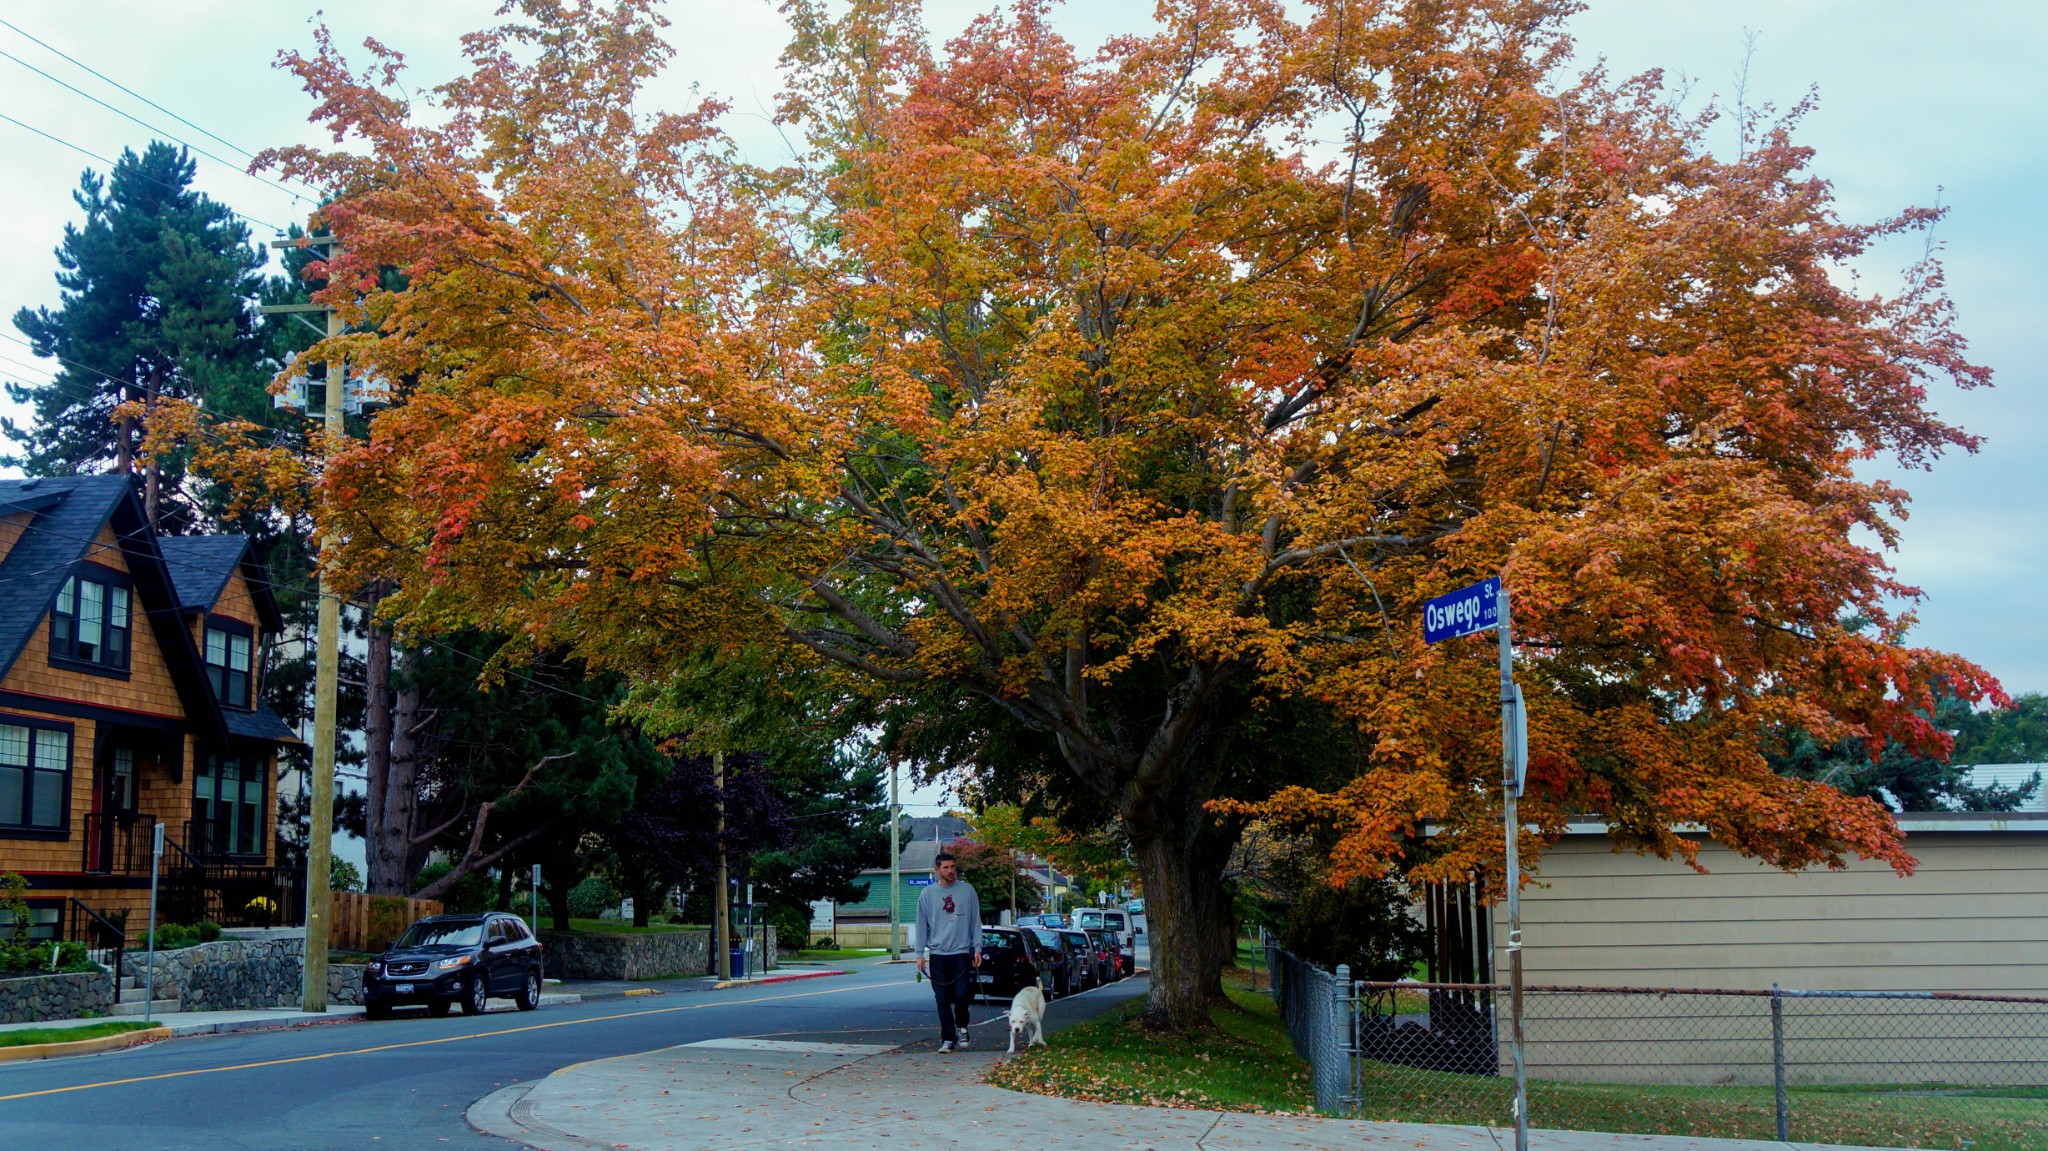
<point>370,922</point>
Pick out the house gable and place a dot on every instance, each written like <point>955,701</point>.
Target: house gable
<point>96,520</point>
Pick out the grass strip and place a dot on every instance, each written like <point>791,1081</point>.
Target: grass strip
<point>625,927</point>
<point>1880,1116</point>
<point>841,952</point>
<point>29,1036</point>
<point>1243,1064</point>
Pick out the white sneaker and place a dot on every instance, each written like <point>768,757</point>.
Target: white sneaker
<point>946,1048</point>
<point>962,1045</point>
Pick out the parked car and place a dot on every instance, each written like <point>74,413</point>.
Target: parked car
<point>444,960</point>
<point>1056,957</point>
<point>1010,962</point>
<point>1110,953</point>
<point>1087,962</point>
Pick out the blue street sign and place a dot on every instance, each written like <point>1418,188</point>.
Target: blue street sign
<point>1462,612</point>
<point>917,881</point>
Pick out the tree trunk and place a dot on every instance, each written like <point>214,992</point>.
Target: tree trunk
<point>1172,906</point>
<point>150,493</point>
<point>505,888</point>
<point>391,849</point>
<point>377,743</point>
<point>558,897</point>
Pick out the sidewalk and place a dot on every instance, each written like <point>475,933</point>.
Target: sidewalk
<point>763,1094</point>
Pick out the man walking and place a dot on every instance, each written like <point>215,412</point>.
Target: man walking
<point>949,948</point>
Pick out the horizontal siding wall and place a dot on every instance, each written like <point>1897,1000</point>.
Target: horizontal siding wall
<point>1973,917</point>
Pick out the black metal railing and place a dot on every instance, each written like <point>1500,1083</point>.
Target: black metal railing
<point>231,890</point>
<point>84,925</point>
<point>117,843</point>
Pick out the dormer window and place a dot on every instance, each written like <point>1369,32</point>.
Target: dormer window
<point>230,647</point>
<point>90,624</point>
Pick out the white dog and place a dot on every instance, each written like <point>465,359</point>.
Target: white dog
<point>1027,1010</point>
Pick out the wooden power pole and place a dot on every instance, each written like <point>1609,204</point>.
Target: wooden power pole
<point>721,932</point>
<point>326,676</point>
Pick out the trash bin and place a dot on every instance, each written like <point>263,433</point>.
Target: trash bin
<point>738,956</point>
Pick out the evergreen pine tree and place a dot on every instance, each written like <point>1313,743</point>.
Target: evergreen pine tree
<point>154,289</point>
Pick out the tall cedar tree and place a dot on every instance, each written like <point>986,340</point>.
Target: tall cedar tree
<point>154,291</point>
<point>1132,394</point>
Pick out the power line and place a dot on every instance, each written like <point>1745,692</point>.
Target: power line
<point>153,128</point>
<point>110,166</point>
<point>123,87</point>
<point>275,435</point>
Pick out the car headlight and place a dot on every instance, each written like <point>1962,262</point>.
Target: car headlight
<point>452,964</point>
<point>376,965</point>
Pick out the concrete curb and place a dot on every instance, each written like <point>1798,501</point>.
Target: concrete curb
<point>29,1051</point>
<point>764,980</point>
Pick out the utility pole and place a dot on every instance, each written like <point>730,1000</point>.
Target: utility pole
<point>326,673</point>
<point>721,934</point>
<point>1467,611</point>
<point>895,868</point>
<point>1514,741</point>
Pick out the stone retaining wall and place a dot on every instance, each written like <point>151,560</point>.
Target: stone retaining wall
<point>238,974</point>
<point>641,955</point>
<point>34,998</point>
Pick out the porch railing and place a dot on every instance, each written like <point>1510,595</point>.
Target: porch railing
<point>117,843</point>
<point>230,891</point>
<point>84,925</point>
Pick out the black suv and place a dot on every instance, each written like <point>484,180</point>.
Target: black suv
<point>443,960</point>
<point>1011,960</point>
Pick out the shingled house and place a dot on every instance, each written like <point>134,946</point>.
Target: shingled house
<point>128,698</point>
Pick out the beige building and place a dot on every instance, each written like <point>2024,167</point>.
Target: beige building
<point>1972,920</point>
<point>1973,917</point>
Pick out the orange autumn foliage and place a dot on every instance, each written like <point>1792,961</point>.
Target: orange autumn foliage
<point>1133,394</point>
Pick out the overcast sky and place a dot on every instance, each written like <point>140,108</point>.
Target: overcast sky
<point>1914,97</point>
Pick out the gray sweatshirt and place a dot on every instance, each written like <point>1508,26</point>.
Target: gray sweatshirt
<point>948,919</point>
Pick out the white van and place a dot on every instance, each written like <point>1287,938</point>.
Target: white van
<point>1104,919</point>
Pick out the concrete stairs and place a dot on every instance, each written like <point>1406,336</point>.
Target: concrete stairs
<point>131,1000</point>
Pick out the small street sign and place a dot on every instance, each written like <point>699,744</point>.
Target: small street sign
<point>917,881</point>
<point>1462,612</point>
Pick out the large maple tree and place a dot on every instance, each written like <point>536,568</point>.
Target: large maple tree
<point>1134,396</point>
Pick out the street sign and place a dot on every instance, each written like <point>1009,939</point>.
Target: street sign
<point>1516,762</point>
<point>1462,612</point>
<point>917,881</point>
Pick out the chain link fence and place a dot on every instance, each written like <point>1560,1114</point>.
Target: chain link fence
<point>1891,1069</point>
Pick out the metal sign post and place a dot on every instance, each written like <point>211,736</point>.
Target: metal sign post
<point>536,900</point>
<point>156,855</point>
<point>1464,612</point>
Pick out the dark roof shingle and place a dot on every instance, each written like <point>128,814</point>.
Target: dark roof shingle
<point>200,566</point>
<point>59,534</point>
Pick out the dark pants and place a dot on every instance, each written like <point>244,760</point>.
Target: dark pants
<point>953,986</point>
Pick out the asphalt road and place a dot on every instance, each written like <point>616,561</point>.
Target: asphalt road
<point>405,1083</point>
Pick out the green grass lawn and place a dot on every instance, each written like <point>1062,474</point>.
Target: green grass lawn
<point>1244,1064</point>
<point>2015,1120</point>
<point>28,1036</point>
<point>625,927</point>
<point>1247,1064</point>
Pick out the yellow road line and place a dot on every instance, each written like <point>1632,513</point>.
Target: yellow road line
<point>419,1043</point>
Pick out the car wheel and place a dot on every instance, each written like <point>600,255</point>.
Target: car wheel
<point>529,995</point>
<point>438,1008</point>
<point>377,1009</point>
<point>477,997</point>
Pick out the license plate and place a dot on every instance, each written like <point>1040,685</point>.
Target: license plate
<point>402,988</point>
<point>988,978</point>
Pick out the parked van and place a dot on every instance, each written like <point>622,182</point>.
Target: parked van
<point>1103,919</point>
